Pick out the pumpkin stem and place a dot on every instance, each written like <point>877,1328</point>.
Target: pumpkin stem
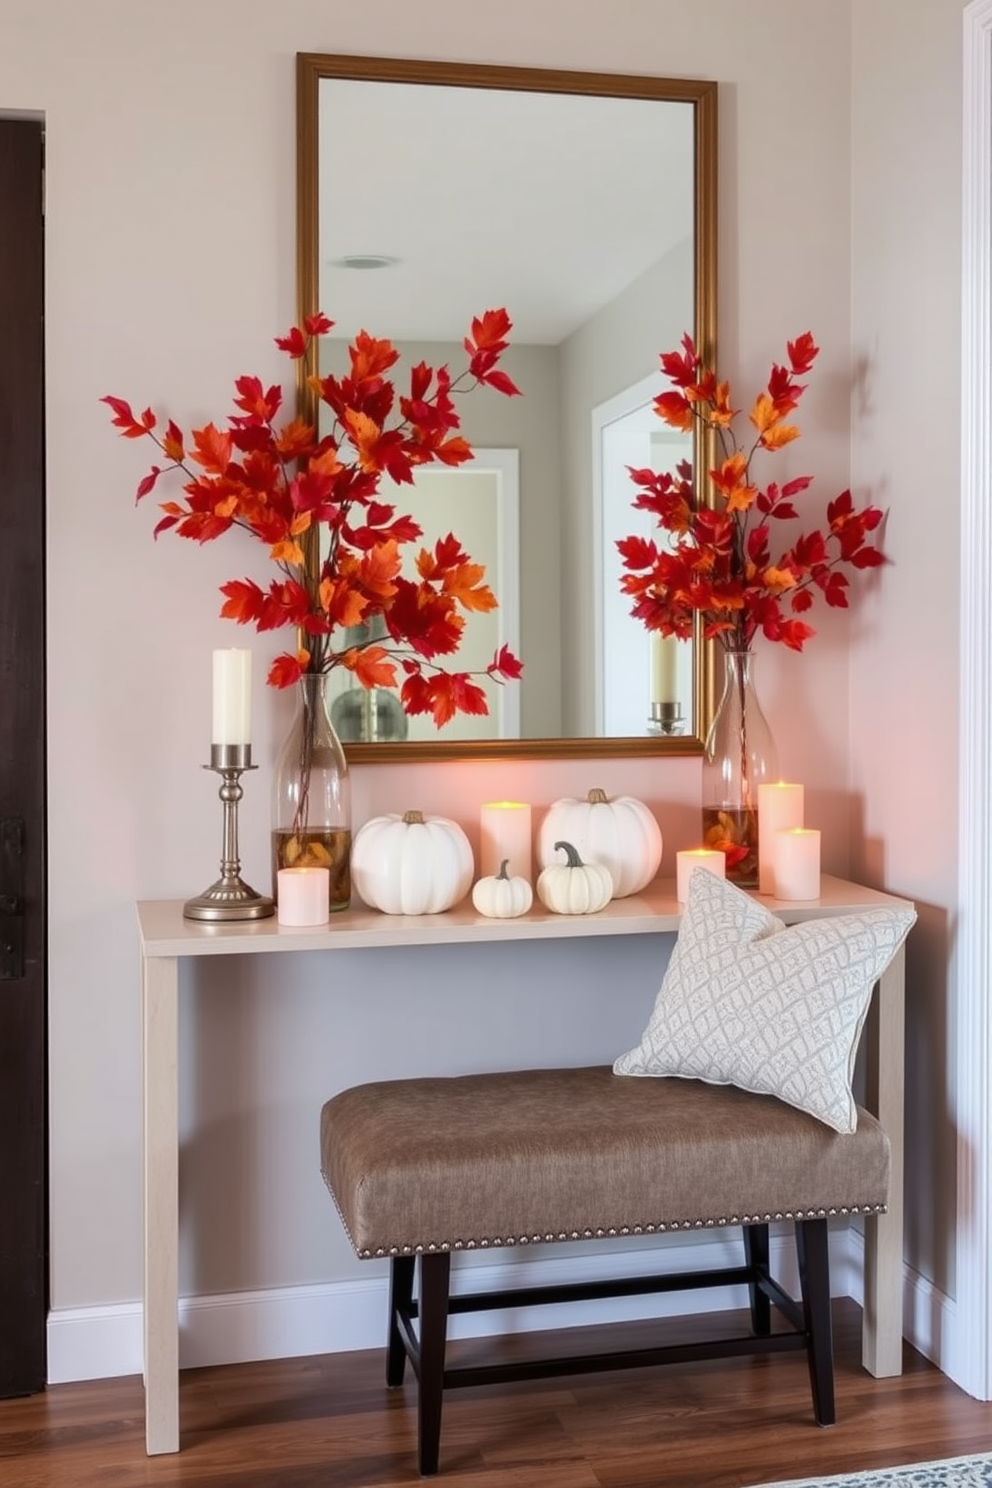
<point>413,817</point>
<point>597,797</point>
<point>502,870</point>
<point>574,861</point>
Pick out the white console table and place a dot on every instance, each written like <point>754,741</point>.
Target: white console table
<point>166,938</point>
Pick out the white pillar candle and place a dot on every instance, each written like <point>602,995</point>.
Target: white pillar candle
<point>504,833</point>
<point>664,668</point>
<point>797,863</point>
<point>303,896</point>
<point>691,858</point>
<point>780,805</point>
<point>232,697</point>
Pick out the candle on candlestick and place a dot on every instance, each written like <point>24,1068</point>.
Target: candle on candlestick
<point>303,896</point>
<point>780,805</point>
<point>505,835</point>
<point>664,668</point>
<point>232,697</point>
<point>691,858</point>
<point>797,863</point>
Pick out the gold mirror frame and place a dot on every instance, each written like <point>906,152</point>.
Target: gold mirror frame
<point>311,68</point>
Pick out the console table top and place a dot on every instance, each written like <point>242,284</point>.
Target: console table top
<point>655,910</point>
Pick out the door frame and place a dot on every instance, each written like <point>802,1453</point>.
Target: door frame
<point>968,1358</point>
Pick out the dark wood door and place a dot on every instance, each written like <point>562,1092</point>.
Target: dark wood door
<point>23,1095</point>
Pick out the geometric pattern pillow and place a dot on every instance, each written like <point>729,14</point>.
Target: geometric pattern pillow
<point>771,1008</point>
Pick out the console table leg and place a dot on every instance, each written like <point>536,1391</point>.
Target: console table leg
<point>883,1279</point>
<point>161,1192</point>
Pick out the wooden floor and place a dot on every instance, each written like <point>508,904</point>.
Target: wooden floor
<point>329,1422</point>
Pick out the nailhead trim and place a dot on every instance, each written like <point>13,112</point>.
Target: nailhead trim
<point>600,1232</point>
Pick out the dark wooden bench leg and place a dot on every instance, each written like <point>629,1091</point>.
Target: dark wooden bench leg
<point>756,1255</point>
<point>814,1276</point>
<point>400,1300</point>
<point>435,1272</point>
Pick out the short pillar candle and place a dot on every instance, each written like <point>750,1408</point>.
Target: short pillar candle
<point>505,836</point>
<point>780,805</point>
<point>691,858</point>
<point>797,863</point>
<point>303,896</point>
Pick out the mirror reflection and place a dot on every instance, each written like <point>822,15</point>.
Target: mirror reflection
<point>584,205</point>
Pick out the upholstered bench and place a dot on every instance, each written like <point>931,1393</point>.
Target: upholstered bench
<point>426,1167</point>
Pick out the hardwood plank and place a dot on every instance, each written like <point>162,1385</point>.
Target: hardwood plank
<point>330,1422</point>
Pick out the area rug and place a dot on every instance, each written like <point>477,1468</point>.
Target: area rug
<point>951,1472</point>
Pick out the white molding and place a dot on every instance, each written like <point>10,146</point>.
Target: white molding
<point>338,1317</point>
<point>968,1354</point>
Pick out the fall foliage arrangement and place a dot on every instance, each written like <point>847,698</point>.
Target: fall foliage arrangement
<point>314,500</point>
<point>717,562</point>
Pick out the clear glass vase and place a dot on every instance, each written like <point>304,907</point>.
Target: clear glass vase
<point>311,808</point>
<point>740,756</point>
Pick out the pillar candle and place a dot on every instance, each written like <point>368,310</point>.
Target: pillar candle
<point>664,668</point>
<point>691,858</point>
<point>232,697</point>
<point>303,896</point>
<point>797,863</point>
<point>504,832</point>
<point>780,805</point>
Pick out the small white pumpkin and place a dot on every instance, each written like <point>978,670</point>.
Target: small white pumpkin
<point>411,864</point>
<point>619,832</point>
<point>574,887</point>
<point>501,897</point>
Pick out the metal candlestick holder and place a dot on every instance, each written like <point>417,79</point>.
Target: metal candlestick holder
<point>666,718</point>
<point>230,898</point>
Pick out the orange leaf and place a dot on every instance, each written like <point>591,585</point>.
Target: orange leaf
<point>775,438</point>
<point>212,449</point>
<point>371,665</point>
<point>464,584</point>
<point>370,356</point>
<point>287,552</point>
<point>379,567</point>
<point>342,604</point>
<point>778,579</point>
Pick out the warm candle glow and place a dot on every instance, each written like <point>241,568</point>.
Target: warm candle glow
<point>505,833</point>
<point>780,805</point>
<point>232,697</point>
<point>691,858</point>
<point>797,863</point>
<point>303,896</point>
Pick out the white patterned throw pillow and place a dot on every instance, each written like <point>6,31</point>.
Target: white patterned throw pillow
<point>774,1009</point>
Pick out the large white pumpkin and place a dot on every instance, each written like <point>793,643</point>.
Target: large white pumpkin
<point>619,832</point>
<point>411,864</point>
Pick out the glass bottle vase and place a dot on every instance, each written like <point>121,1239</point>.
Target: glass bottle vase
<point>740,756</point>
<point>311,809</point>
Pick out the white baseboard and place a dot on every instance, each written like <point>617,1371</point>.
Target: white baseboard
<point>337,1317</point>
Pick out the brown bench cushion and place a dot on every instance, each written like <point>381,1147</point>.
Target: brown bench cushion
<point>515,1158</point>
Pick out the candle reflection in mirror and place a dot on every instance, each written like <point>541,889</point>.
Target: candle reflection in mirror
<point>666,710</point>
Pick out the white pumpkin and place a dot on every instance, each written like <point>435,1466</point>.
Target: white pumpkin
<point>619,832</point>
<point>501,897</point>
<point>574,887</point>
<point>411,864</point>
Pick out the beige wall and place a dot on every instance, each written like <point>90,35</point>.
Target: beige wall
<point>170,268</point>
<point>906,312</point>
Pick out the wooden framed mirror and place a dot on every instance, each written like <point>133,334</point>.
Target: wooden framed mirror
<point>585,203</point>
